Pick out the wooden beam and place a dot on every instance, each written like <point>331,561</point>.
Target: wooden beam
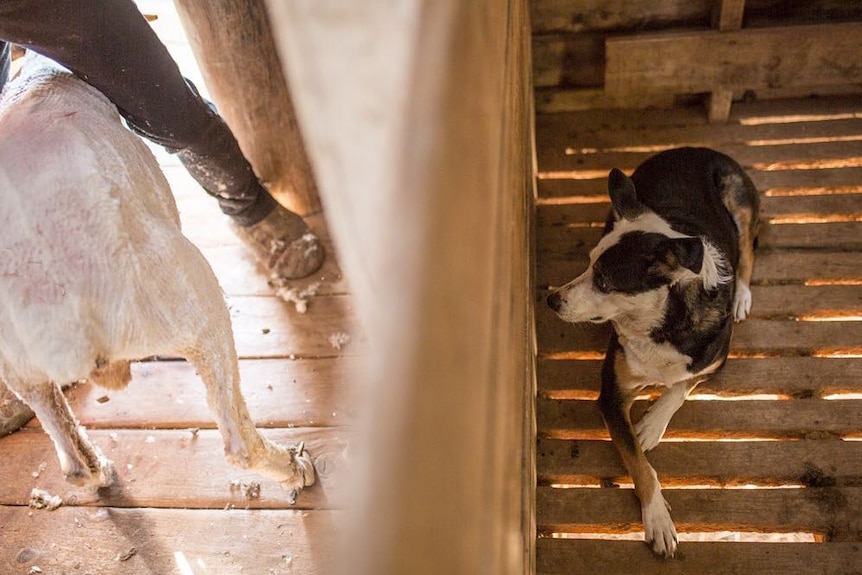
<point>429,197</point>
<point>822,510</point>
<point>233,46</point>
<point>728,15</point>
<point>750,59</point>
<point>705,558</point>
<point>720,101</point>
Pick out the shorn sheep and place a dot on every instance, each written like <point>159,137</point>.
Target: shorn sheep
<point>95,273</point>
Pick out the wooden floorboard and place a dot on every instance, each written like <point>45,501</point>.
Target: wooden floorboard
<point>788,413</point>
<point>177,506</point>
<point>172,468</point>
<point>114,541</point>
<point>570,556</point>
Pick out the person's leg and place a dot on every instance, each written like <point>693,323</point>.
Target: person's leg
<point>109,44</point>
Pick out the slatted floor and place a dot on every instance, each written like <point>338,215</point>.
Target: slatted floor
<point>763,465</point>
<point>178,507</point>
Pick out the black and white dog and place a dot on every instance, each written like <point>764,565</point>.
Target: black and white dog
<point>671,273</point>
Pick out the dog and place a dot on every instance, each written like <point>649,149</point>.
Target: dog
<point>672,273</point>
<point>95,273</point>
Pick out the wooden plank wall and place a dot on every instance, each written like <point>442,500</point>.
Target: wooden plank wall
<point>418,121</point>
<point>644,53</point>
<point>796,363</point>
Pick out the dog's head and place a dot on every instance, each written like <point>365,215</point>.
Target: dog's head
<point>633,264</point>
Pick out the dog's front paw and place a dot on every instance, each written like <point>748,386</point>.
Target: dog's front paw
<point>742,301</point>
<point>650,430</point>
<point>659,531</point>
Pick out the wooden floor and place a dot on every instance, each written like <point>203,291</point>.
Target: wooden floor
<point>178,507</point>
<point>771,483</point>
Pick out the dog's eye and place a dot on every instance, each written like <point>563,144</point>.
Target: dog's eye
<point>602,283</point>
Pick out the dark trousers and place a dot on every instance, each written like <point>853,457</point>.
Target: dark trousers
<point>109,44</point>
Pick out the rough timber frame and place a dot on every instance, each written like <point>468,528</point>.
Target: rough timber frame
<point>417,116</point>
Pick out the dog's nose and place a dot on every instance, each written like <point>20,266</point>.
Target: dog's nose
<point>555,301</point>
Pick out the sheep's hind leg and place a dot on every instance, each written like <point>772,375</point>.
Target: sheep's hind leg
<point>81,461</point>
<point>215,360</point>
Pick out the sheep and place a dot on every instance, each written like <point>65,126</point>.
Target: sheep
<point>95,272</point>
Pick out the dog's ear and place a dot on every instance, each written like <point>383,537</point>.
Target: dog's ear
<point>623,197</point>
<point>681,252</point>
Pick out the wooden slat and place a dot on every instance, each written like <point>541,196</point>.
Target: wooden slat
<point>570,557</point>
<point>835,207</point>
<point>109,540</point>
<point>835,235</point>
<point>570,241</point>
<point>753,336</point>
<point>556,100</point>
<point>798,418</point>
<point>588,123</point>
<point>785,463</point>
<point>797,266</point>
<point>146,464</point>
<point>767,157</point>
<point>798,377</point>
<point>563,16</point>
<point>562,131</point>
<point>824,510</point>
<point>169,394</point>
<point>765,463</point>
<point>799,302</point>
<point>825,179</point>
<point>795,109</point>
<point>781,209</point>
<point>687,63</point>
<point>595,189</point>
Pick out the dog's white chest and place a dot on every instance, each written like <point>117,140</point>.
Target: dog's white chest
<point>657,362</point>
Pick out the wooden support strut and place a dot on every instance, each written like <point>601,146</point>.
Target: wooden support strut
<point>234,48</point>
<point>728,16</point>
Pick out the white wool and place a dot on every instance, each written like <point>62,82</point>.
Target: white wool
<point>82,273</point>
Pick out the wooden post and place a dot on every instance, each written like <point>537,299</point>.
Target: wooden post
<point>727,16</point>
<point>417,117</point>
<point>233,46</point>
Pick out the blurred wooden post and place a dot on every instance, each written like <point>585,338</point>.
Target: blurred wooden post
<point>233,46</point>
<point>727,15</point>
<point>417,116</point>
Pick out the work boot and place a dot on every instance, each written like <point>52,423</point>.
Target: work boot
<point>283,244</point>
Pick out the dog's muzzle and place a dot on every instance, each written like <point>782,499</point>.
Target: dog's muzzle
<point>555,301</point>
